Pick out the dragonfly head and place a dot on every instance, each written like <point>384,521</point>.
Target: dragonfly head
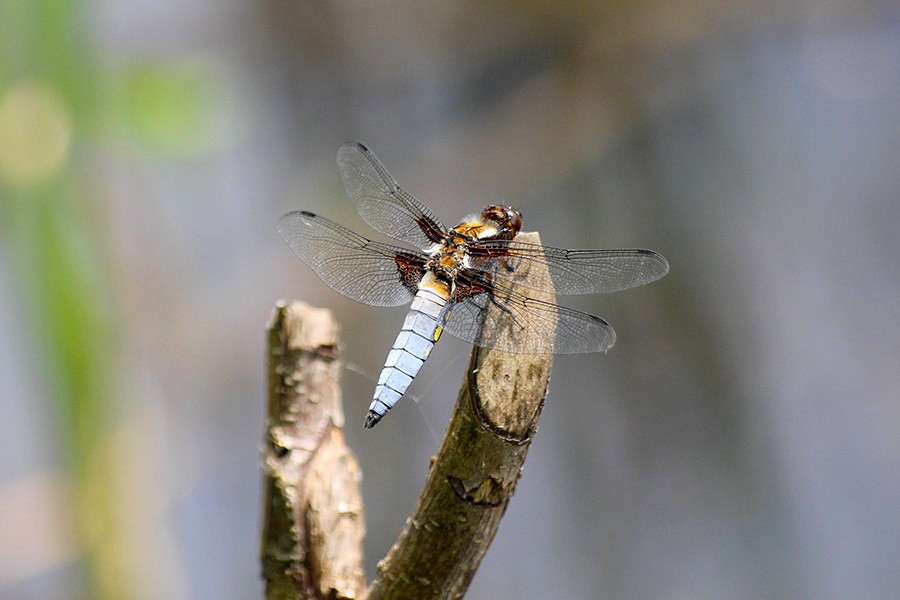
<point>507,220</point>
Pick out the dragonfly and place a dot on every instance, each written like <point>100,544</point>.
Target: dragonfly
<point>462,280</point>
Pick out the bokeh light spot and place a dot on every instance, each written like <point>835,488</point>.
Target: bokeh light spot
<point>35,133</point>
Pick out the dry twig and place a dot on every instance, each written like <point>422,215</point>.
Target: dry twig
<point>472,479</point>
<point>313,523</point>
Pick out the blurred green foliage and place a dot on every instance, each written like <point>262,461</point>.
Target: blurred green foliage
<point>55,98</point>
<point>169,108</point>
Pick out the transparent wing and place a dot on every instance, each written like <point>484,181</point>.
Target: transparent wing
<point>382,203</point>
<point>513,322</point>
<point>356,267</point>
<point>570,271</point>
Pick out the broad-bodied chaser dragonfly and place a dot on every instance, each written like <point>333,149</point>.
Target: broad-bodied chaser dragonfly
<point>455,275</point>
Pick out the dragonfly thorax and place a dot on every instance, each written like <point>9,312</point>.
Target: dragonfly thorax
<point>450,256</point>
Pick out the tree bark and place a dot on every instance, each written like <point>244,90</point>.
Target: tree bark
<point>313,523</point>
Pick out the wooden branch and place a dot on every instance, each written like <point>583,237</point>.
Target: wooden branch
<point>473,476</point>
<point>313,523</point>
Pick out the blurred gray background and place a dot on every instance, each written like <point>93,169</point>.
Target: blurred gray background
<point>741,440</point>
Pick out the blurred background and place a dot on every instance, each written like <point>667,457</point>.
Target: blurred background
<point>742,440</point>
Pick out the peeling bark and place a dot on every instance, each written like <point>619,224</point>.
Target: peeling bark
<point>313,520</point>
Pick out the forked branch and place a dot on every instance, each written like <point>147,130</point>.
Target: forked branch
<point>466,493</point>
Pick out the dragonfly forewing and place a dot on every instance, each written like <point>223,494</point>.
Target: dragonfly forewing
<point>570,272</point>
<point>382,202</point>
<point>352,265</point>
